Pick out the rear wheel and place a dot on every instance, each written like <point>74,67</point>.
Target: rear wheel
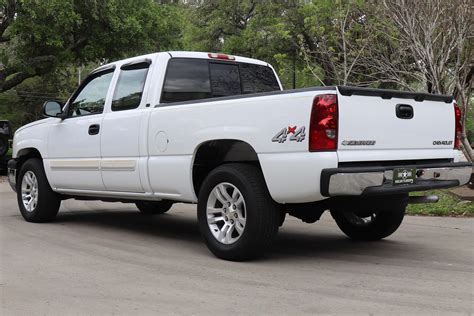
<point>373,223</point>
<point>237,217</point>
<point>470,184</point>
<point>36,200</point>
<point>154,208</point>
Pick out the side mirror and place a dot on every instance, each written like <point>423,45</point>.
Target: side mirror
<point>53,109</point>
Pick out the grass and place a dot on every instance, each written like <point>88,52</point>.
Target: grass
<point>448,205</point>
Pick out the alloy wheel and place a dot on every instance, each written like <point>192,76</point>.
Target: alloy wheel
<point>226,213</point>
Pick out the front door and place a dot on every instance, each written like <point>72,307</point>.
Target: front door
<point>74,143</point>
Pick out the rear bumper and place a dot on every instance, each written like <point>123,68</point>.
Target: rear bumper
<point>12,169</point>
<point>378,180</point>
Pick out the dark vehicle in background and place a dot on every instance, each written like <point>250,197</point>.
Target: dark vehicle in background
<point>6,135</point>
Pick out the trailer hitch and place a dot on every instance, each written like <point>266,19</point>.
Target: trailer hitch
<point>423,199</point>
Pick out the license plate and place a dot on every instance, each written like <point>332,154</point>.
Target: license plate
<point>404,176</point>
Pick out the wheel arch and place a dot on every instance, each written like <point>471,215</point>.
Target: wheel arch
<point>213,153</point>
<point>26,153</point>
<point>29,151</point>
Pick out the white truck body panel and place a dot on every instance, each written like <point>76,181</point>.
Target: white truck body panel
<point>252,120</point>
<point>360,116</point>
<point>73,160</point>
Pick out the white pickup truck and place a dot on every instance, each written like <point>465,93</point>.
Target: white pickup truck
<point>218,130</point>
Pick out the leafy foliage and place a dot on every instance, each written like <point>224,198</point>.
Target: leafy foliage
<point>45,35</point>
<point>44,43</point>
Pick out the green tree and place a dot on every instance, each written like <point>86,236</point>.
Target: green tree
<point>37,36</point>
<point>249,28</point>
<point>437,35</point>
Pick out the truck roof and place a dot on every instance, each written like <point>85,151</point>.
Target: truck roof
<point>188,54</point>
<point>183,54</point>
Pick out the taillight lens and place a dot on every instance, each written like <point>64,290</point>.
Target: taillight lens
<point>323,124</point>
<point>458,127</point>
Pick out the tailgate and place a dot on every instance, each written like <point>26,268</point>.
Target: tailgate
<point>377,124</point>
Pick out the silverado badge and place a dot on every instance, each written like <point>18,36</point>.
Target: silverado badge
<point>297,134</point>
<point>358,143</point>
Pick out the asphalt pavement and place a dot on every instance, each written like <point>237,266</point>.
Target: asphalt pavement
<point>107,258</point>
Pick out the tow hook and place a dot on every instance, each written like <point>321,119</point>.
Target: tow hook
<point>423,199</point>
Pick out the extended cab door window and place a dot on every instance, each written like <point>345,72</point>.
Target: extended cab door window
<point>129,88</point>
<point>90,98</point>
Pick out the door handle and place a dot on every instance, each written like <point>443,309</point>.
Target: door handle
<point>94,129</point>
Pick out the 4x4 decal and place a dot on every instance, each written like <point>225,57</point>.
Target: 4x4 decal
<point>297,135</point>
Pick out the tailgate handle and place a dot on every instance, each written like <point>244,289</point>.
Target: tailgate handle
<point>404,111</point>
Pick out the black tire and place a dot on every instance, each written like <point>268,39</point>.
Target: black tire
<point>48,202</point>
<point>4,146</point>
<point>383,221</point>
<point>154,207</point>
<point>470,184</point>
<point>262,214</point>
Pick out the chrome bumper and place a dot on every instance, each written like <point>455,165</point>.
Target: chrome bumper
<point>378,180</point>
<point>11,169</point>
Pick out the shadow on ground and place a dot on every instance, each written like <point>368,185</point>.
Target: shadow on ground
<point>164,226</point>
<point>290,243</point>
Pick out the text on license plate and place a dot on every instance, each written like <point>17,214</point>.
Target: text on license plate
<point>404,175</point>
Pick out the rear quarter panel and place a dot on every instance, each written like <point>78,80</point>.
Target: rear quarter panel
<point>290,171</point>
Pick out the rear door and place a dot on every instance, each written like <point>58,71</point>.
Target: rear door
<point>120,145</point>
<point>395,128</point>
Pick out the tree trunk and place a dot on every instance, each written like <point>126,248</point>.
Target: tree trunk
<point>466,148</point>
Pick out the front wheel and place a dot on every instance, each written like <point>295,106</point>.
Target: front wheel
<point>371,223</point>
<point>37,201</point>
<point>237,217</point>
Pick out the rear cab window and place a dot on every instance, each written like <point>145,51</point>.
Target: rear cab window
<point>190,79</point>
<point>186,79</point>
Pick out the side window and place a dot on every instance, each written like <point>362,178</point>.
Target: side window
<point>192,79</point>
<point>225,79</point>
<point>257,78</point>
<point>91,98</point>
<point>129,88</point>
<point>186,79</point>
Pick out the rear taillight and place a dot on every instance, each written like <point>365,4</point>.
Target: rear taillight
<point>458,127</point>
<point>323,123</point>
<point>221,56</point>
